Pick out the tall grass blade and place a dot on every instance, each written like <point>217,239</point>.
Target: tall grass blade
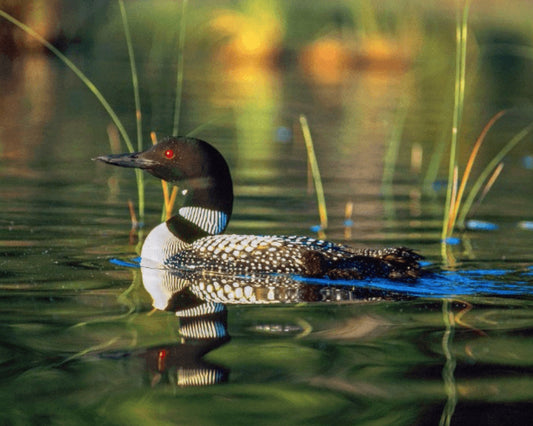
<point>168,199</point>
<point>493,177</point>
<point>315,171</point>
<point>179,76</point>
<point>94,90</point>
<point>490,182</point>
<point>468,169</point>
<point>460,79</point>
<point>134,78</point>
<point>454,201</point>
<point>85,80</point>
<point>488,170</point>
<point>139,176</point>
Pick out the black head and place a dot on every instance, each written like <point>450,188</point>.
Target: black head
<point>192,162</point>
<point>174,159</point>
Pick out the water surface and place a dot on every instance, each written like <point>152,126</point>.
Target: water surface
<point>80,341</point>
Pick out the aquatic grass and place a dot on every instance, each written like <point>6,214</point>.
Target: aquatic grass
<point>86,81</point>
<point>495,174</point>
<point>135,83</point>
<point>134,78</point>
<point>91,86</point>
<point>169,200</point>
<point>457,210</point>
<point>491,168</point>
<point>457,194</point>
<point>179,76</point>
<point>461,32</point>
<point>453,186</point>
<point>139,176</point>
<point>311,157</point>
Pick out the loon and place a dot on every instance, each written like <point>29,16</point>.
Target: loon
<point>193,239</point>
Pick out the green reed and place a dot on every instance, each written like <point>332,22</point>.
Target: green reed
<point>94,90</point>
<point>179,72</point>
<point>489,169</point>
<point>461,33</point>
<point>139,176</point>
<point>88,83</point>
<point>315,172</point>
<point>458,191</point>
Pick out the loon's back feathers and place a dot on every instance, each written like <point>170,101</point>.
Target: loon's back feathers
<point>304,256</point>
<point>193,238</point>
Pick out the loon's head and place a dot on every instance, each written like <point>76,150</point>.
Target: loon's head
<point>195,164</point>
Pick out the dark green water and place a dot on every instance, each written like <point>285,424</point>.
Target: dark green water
<point>80,342</point>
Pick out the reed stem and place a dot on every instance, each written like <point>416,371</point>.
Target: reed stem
<point>85,80</point>
<point>489,169</point>
<point>456,204</point>
<point>315,172</point>
<point>179,75</point>
<point>460,82</point>
<point>139,176</point>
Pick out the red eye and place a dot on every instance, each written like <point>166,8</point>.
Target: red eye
<point>169,154</point>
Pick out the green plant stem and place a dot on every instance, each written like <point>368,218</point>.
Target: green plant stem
<point>88,83</point>
<point>139,176</point>
<point>134,78</point>
<point>488,170</point>
<point>456,204</point>
<point>315,172</point>
<point>179,76</point>
<point>460,79</point>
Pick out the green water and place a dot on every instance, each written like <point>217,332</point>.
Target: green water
<point>80,342</point>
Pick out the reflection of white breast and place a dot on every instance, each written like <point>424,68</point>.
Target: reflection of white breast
<point>161,285</point>
<point>159,245</point>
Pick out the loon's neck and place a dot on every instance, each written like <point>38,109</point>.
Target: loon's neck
<point>207,209</point>
<point>206,212</point>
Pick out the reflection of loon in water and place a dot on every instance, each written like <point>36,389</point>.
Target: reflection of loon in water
<point>214,288</point>
<point>201,329</point>
<point>199,301</point>
<point>193,238</point>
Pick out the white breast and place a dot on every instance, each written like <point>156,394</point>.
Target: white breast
<point>159,245</point>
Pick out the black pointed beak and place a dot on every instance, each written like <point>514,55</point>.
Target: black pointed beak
<point>127,160</point>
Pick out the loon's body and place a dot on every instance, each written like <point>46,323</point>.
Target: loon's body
<point>194,240</point>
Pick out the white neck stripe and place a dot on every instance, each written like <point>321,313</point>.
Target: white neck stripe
<point>211,221</point>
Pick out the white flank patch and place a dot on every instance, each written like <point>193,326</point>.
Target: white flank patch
<point>159,245</point>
